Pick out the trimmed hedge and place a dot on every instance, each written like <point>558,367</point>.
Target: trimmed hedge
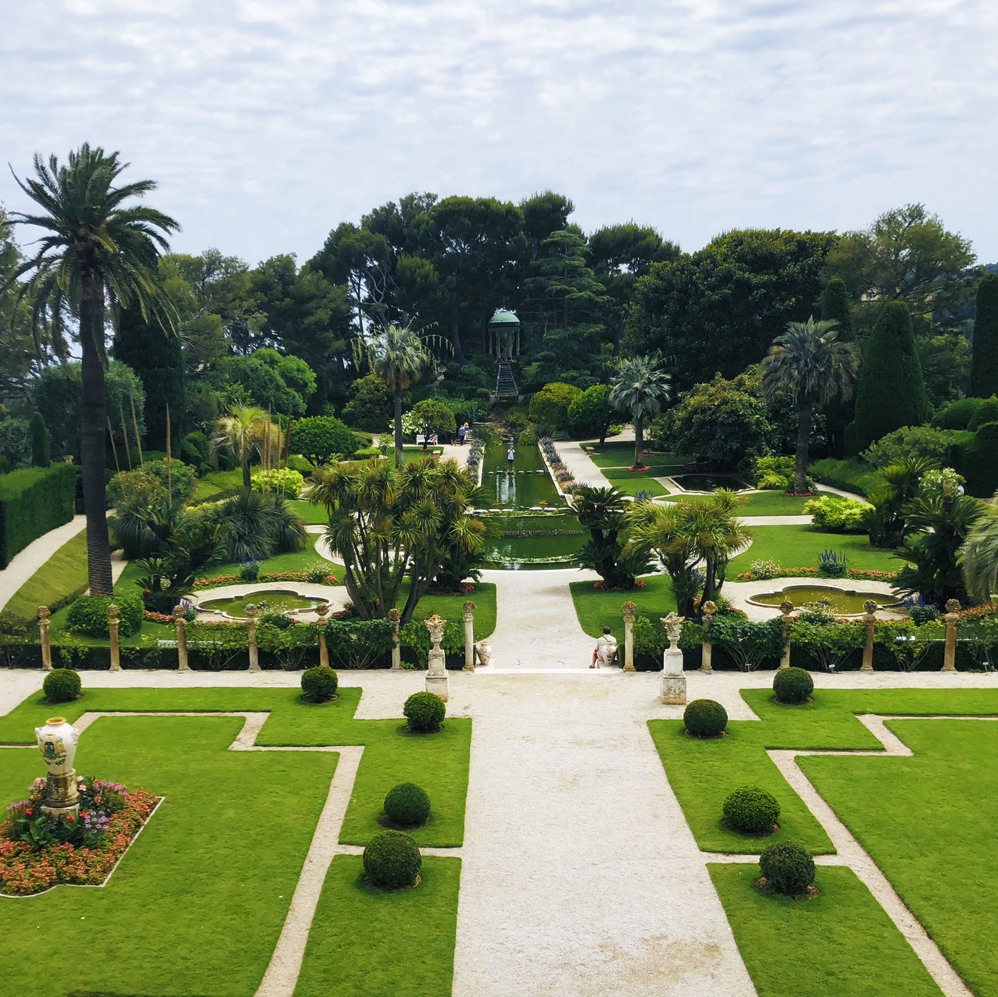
<point>392,860</point>
<point>751,810</point>
<point>957,415</point>
<point>407,805</point>
<point>425,712</point>
<point>793,685</point>
<point>705,718</point>
<point>32,502</point>
<point>62,685</point>
<point>788,868</point>
<point>88,615</point>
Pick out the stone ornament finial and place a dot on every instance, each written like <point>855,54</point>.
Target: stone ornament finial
<point>178,613</point>
<point>870,606</point>
<point>44,613</point>
<point>322,611</point>
<point>629,609</point>
<point>952,606</point>
<point>709,608</point>
<point>469,607</point>
<point>436,627</point>
<point>113,612</point>
<point>251,612</point>
<point>394,615</point>
<point>786,607</point>
<point>673,624</point>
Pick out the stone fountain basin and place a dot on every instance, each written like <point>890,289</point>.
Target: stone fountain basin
<point>334,595</point>
<point>843,601</point>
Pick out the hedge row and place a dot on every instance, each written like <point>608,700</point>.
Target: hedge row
<point>32,502</point>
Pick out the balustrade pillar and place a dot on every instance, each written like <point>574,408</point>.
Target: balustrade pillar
<point>628,609</point>
<point>868,621</point>
<point>395,616</point>
<point>950,617</point>
<point>322,610</point>
<point>786,608</point>
<point>180,626</point>
<point>254,651</point>
<point>112,627</point>
<point>707,649</point>
<point>469,635</point>
<point>43,633</point>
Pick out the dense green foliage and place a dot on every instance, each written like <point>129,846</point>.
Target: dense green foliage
<point>976,461</point>
<point>321,437</point>
<point>909,443</point>
<point>890,392</point>
<point>834,514</point>
<point>425,712</point>
<point>984,362</point>
<point>41,442</point>
<point>549,407</point>
<point>751,810</point>
<point>793,685</point>
<point>590,414</point>
<point>392,860</point>
<point>788,868</point>
<point>987,411</point>
<point>61,685</point>
<point>32,502</point>
<point>705,718</point>
<point>88,615</point>
<point>407,805</point>
<point>319,684</point>
<point>957,415</point>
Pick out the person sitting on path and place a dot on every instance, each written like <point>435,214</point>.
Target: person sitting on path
<point>510,454</point>
<point>606,650</point>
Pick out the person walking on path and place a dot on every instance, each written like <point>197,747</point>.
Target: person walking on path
<point>461,434</point>
<point>510,454</point>
<point>606,650</point>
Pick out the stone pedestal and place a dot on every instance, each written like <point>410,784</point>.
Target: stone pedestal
<point>395,616</point>
<point>43,634</point>
<point>786,608</point>
<point>469,635</point>
<point>868,621</point>
<point>436,676</point>
<point>180,625</point>
<point>673,680</point>
<point>950,617</point>
<point>254,651</point>
<point>112,629</point>
<point>628,609</point>
<point>707,649</point>
<point>322,610</point>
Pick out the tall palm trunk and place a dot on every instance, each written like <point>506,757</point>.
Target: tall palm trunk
<point>638,440</point>
<point>803,435</point>
<point>93,453</point>
<point>398,422</point>
<point>247,483</point>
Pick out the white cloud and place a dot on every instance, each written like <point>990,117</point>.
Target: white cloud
<point>267,123</point>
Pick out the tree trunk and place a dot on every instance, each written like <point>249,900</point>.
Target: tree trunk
<point>455,338</point>
<point>247,484</point>
<point>93,452</point>
<point>398,424</point>
<point>803,435</point>
<point>638,440</point>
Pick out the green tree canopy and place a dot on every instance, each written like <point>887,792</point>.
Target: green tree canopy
<point>591,413</point>
<point>548,408</point>
<point>321,437</point>
<point>282,384</point>
<point>984,363</point>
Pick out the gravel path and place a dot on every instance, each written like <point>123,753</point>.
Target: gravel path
<point>26,562</point>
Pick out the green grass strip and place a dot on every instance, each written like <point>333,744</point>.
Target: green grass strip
<point>365,943</point>
<point>59,580</point>
<point>840,944</point>
<point>798,547</point>
<point>596,609</point>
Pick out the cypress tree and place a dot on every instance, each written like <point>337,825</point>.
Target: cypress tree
<point>836,307</point>
<point>891,391</point>
<point>159,361</point>
<point>41,442</point>
<point>984,358</point>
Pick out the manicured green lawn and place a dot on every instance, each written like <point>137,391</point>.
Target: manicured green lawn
<point>798,547</point>
<point>314,515</point>
<point>369,944</point>
<point>616,453</point>
<point>631,484</point>
<point>450,607</point>
<point>221,857</point>
<point>299,560</point>
<point>773,503</point>
<point>840,944</point>
<point>218,482</point>
<point>596,609</point>
<point>62,577</point>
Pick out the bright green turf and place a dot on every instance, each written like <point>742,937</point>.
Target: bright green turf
<point>632,484</point>
<point>596,609</point>
<point>312,514</point>
<point>64,573</point>
<point>449,607</point>
<point>928,822</point>
<point>298,560</point>
<point>840,944</point>
<point>766,504</point>
<point>200,898</point>
<point>364,943</point>
<point>798,547</point>
<point>620,454</point>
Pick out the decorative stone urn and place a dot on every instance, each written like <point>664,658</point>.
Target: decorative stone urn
<point>436,676</point>
<point>57,743</point>
<point>673,679</point>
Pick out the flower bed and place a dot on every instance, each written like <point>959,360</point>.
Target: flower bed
<point>275,576</point>
<point>600,587</point>
<point>562,476</point>
<point>39,850</point>
<point>866,574</point>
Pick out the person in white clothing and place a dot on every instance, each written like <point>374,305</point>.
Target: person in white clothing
<point>606,649</point>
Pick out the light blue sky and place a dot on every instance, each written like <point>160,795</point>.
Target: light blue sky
<point>266,123</point>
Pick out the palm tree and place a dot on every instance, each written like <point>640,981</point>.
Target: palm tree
<point>398,355</point>
<point>979,556</point>
<point>641,388</point>
<point>810,365</point>
<point>96,255</point>
<point>243,432</point>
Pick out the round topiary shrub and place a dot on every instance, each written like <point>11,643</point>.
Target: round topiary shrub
<point>392,860</point>
<point>788,868</point>
<point>425,712</point>
<point>62,685</point>
<point>793,685</point>
<point>318,685</point>
<point>407,805</point>
<point>705,718</point>
<point>751,810</point>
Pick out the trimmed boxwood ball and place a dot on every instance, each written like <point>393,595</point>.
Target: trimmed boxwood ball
<point>425,712</point>
<point>751,810</point>
<point>62,685</point>
<point>793,685</point>
<point>319,684</point>
<point>407,805</point>
<point>392,860</point>
<point>788,867</point>
<point>705,718</point>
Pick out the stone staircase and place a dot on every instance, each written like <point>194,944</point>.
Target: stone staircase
<point>505,384</point>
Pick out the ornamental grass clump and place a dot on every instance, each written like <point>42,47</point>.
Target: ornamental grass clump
<point>319,684</point>
<point>62,685</point>
<point>787,868</point>
<point>407,805</point>
<point>705,718</point>
<point>425,712</point>
<point>392,861</point>
<point>751,810</point>
<point>793,685</point>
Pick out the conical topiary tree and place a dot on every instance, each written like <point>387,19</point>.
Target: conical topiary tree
<point>984,357</point>
<point>836,307</point>
<point>891,390</point>
<point>41,442</point>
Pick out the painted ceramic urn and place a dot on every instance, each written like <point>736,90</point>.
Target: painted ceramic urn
<point>57,743</point>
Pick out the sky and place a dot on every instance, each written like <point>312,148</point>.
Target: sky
<point>268,123</point>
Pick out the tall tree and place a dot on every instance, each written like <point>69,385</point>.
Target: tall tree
<point>97,251</point>
<point>836,306</point>
<point>809,364</point>
<point>890,392</point>
<point>640,387</point>
<point>244,432</point>
<point>398,355</point>
<point>984,360</point>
